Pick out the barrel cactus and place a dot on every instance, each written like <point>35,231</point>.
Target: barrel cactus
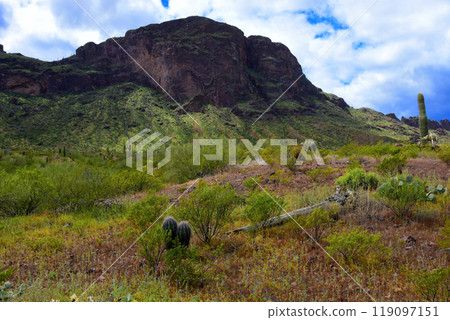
<point>170,225</point>
<point>423,120</point>
<point>184,233</point>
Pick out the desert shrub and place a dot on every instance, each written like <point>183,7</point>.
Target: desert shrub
<point>208,209</point>
<point>354,162</point>
<point>260,206</point>
<point>281,177</point>
<point>79,186</point>
<point>271,155</point>
<point>392,165</point>
<point>252,182</point>
<point>432,285</point>
<point>144,213</point>
<point>152,246</point>
<point>6,274</point>
<point>321,173</point>
<point>355,247</point>
<point>318,221</point>
<point>135,181</point>
<point>358,179</point>
<point>183,169</point>
<point>444,236</point>
<point>22,192</point>
<point>411,151</point>
<point>143,216</point>
<point>401,194</point>
<point>292,158</point>
<point>444,154</point>
<point>376,151</point>
<point>184,266</point>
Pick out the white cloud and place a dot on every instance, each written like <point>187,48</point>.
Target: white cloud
<point>397,38</point>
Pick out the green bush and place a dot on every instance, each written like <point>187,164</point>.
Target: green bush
<point>358,179</point>
<point>143,216</point>
<point>208,209</point>
<point>252,182</point>
<point>432,285</point>
<point>321,173</point>
<point>78,186</point>
<point>260,206</point>
<point>145,213</point>
<point>401,194</point>
<point>183,169</point>
<point>134,181</point>
<point>318,221</point>
<point>184,266</point>
<point>355,247</point>
<point>392,165</point>
<point>22,192</point>
<point>152,246</point>
<point>6,274</point>
<point>444,236</point>
<point>376,151</point>
<point>444,154</point>
<point>281,177</point>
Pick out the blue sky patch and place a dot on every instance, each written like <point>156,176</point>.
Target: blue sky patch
<point>3,13</point>
<point>358,45</point>
<point>322,35</point>
<point>165,3</point>
<point>314,18</point>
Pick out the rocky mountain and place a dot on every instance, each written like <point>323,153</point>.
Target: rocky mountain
<point>195,60</point>
<point>432,124</point>
<point>109,91</point>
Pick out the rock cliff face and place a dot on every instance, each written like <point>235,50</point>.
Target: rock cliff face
<point>196,60</point>
<point>432,124</point>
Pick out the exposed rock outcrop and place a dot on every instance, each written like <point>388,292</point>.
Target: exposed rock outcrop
<point>392,116</point>
<point>432,124</point>
<point>196,60</point>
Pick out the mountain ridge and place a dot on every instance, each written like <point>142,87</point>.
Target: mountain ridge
<point>207,66</point>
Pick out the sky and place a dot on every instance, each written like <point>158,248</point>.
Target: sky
<point>376,54</point>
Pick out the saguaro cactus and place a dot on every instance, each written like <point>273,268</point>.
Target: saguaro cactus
<point>423,120</point>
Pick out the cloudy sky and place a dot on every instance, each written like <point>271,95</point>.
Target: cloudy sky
<point>392,52</point>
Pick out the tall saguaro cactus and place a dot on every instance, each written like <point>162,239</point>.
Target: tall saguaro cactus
<point>423,120</point>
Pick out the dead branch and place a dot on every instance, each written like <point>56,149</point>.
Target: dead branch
<point>338,197</point>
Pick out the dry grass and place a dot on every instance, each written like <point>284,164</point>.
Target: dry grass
<point>60,255</point>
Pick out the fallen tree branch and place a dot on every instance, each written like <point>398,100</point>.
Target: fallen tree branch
<point>338,197</point>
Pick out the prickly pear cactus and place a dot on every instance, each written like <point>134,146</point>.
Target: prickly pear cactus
<point>184,233</point>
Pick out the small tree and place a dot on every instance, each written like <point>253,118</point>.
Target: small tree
<point>392,165</point>
<point>318,221</point>
<point>261,206</point>
<point>21,193</point>
<point>358,179</point>
<point>355,247</point>
<point>401,194</point>
<point>432,285</point>
<point>208,208</point>
<point>142,216</point>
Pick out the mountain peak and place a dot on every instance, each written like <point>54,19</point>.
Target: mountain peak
<point>196,60</point>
